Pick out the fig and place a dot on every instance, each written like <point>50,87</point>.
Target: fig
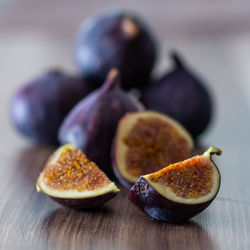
<point>117,39</point>
<point>91,125</point>
<point>181,95</point>
<point>145,142</point>
<point>74,181</point>
<point>179,191</point>
<point>38,108</point>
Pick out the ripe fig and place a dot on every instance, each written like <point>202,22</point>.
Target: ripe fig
<point>181,95</point>
<point>74,181</point>
<point>91,125</point>
<point>146,142</point>
<point>179,191</point>
<point>117,39</point>
<point>38,108</point>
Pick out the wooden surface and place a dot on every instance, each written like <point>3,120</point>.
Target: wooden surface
<point>215,39</point>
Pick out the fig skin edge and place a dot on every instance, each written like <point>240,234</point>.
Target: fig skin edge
<point>86,203</point>
<point>158,207</point>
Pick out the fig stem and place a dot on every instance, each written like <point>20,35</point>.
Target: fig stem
<point>213,150</point>
<point>54,71</point>
<point>177,59</point>
<point>129,27</point>
<point>112,81</point>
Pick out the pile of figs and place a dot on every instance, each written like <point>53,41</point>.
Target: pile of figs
<point>106,130</point>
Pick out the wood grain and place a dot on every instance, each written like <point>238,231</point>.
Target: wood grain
<point>216,47</point>
<point>30,219</point>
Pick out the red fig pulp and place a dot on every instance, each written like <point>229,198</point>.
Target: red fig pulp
<point>179,191</point>
<point>72,180</point>
<point>145,142</point>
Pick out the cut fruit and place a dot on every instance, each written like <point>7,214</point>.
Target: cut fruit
<point>178,191</point>
<point>145,142</point>
<point>73,180</point>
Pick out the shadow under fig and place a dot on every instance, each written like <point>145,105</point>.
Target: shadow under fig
<point>81,225</point>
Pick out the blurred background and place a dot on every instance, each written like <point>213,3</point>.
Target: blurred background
<point>212,36</point>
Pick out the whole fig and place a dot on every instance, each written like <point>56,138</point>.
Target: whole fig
<point>91,125</point>
<point>181,95</point>
<point>117,39</point>
<point>38,108</point>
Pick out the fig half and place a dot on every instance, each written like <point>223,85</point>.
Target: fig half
<point>145,142</point>
<point>179,191</point>
<point>72,180</point>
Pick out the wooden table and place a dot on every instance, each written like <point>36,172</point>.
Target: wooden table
<point>215,39</point>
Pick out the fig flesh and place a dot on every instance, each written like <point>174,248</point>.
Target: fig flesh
<point>145,142</point>
<point>181,95</point>
<point>91,125</point>
<point>72,180</point>
<point>117,39</point>
<point>179,191</point>
<point>38,108</point>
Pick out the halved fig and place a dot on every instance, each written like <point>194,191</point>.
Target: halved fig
<point>72,180</point>
<point>179,191</point>
<point>145,142</point>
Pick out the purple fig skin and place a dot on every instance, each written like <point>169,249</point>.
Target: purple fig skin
<point>154,205</point>
<point>85,203</point>
<point>117,174</point>
<point>91,125</point>
<point>38,108</point>
<point>181,95</point>
<point>103,43</point>
<point>119,177</point>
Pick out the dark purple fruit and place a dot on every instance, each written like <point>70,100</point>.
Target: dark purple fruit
<point>91,125</point>
<point>179,191</point>
<point>74,181</point>
<point>116,40</point>
<point>145,142</point>
<point>181,95</point>
<point>38,108</point>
